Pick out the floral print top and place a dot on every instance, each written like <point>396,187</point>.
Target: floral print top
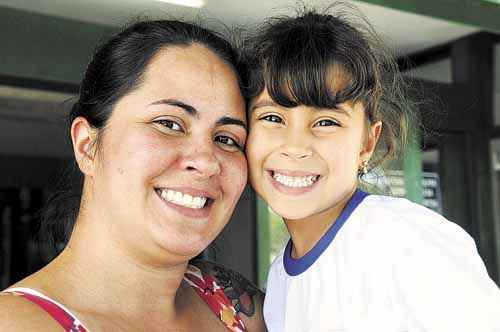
<point>205,286</point>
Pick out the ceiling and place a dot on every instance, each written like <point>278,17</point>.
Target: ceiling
<point>406,32</point>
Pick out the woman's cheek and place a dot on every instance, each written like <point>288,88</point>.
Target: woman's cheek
<point>236,170</point>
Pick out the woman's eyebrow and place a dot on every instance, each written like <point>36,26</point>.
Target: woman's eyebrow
<point>226,120</point>
<point>174,102</point>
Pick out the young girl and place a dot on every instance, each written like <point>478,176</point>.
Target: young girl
<point>320,118</point>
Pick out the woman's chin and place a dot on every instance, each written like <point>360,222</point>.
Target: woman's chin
<point>188,248</point>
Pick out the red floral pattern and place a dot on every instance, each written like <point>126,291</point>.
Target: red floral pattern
<point>208,289</point>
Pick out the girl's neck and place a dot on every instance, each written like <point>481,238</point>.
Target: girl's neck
<point>306,232</point>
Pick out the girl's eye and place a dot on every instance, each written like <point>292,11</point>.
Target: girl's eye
<point>227,142</point>
<point>272,118</point>
<point>326,123</point>
<point>170,124</point>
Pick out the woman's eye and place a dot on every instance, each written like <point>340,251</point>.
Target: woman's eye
<point>228,142</point>
<point>326,123</point>
<point>170,124</point>
<point>272,118</point>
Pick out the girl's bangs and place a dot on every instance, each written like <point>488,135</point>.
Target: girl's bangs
<point>311,80</point>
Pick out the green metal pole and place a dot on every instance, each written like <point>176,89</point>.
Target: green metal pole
<point>412,167</point>
<point>263,241</point>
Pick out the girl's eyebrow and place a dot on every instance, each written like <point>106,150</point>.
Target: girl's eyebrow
<point>264,103</point>
<point>340,109</point>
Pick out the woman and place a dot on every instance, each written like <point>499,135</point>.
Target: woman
<point>158,133</point>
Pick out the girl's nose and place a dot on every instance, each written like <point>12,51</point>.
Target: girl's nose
<point>296,146</point>
<point>294,152</point>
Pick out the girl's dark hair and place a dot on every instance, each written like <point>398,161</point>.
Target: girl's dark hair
<point>116,69</point>
<point>322,59</point>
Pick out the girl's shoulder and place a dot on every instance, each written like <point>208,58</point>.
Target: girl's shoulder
<point>398,220</point>
<point>244,296</point>
<point>414,241</point>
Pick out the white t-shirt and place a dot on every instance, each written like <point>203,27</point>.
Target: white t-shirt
<point>385,265</point>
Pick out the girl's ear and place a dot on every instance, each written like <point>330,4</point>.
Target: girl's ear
<point>83,139</point>
<point>373,134</point>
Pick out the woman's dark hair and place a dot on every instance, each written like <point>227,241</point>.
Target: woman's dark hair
<point>322,59</point>
<point>116,69</point>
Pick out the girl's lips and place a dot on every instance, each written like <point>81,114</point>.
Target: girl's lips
<point>291,173</point>
<point>294,191</point>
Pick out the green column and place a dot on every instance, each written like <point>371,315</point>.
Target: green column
<point>263,241</point>
<point>412,167</point>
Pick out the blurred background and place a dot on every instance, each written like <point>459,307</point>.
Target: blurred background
<point>448,49</point>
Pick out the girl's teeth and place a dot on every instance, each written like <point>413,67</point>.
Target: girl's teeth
<point>297,182</point>
<point>170,195</point>
<point>186,200</point>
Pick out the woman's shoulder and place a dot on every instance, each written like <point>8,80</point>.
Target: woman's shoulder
<point>246,298</point>
<point>19,314</point>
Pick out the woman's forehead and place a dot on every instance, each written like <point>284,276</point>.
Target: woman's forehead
<point>194,74</point>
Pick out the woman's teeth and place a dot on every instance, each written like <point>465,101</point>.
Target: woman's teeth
<point>185,200</point>
<point>294,181</point>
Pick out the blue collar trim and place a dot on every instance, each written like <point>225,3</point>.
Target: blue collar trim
<point>294,267</point>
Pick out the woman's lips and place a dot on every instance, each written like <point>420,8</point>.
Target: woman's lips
<point>196,204</point>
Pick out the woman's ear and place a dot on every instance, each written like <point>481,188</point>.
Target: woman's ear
<point>373,134</point>
<point>83,138</point>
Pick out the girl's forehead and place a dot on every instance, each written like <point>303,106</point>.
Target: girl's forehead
<point>323,86</point>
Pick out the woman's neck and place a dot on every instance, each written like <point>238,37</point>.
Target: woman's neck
<point>306,232</point>
<point>113,281</point>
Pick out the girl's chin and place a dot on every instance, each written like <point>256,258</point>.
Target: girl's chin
<point>286,215</point>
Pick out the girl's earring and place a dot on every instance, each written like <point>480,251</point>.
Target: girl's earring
<point>363,168</point>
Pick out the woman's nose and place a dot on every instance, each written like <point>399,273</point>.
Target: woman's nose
<point>202,163</point>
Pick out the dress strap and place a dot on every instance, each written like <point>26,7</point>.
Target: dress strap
<point>208,289</point>
<point>57,311</point>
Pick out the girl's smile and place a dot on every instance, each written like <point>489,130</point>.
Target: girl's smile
<point>293,182</point>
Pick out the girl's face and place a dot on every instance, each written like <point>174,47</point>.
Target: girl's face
<point>171,165</point>
<point>304,161</point>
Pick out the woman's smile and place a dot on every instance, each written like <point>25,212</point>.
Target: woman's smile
<point>190,202</point>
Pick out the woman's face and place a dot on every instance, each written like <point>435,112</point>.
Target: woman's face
<point>171,165</point>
